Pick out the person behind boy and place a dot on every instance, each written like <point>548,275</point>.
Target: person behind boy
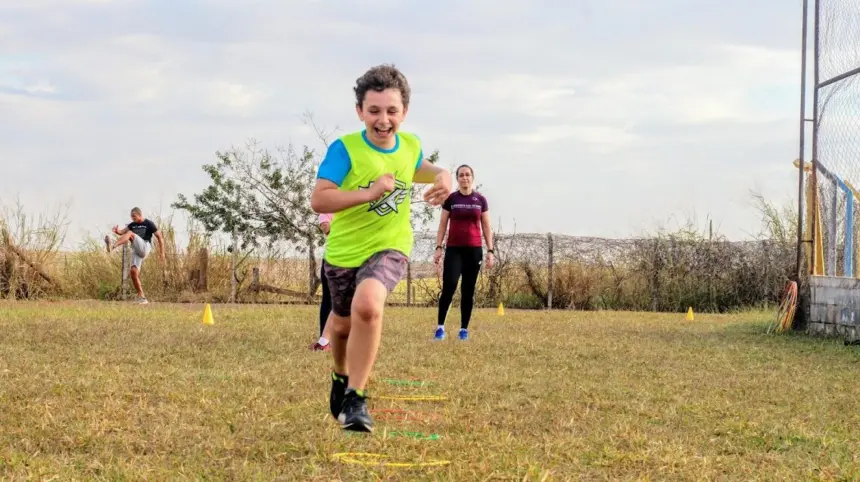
<point>466,218</point>
<point>365,180</point>
<point>325,305</point>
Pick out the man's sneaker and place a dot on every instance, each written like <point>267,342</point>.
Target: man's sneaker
<point>440,333</point>
<point>356,418</point>
<point>335,401</point>
<point>464,334</point>
<point>107,243</point>
<point>142,300</point>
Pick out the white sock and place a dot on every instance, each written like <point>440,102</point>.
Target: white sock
<point>323,341</point>
<point>442,326</point>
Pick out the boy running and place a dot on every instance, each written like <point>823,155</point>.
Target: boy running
<point>365,180</point>
<point>138,233</point>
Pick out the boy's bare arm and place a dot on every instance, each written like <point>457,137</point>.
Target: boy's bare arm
<point>327,198</point>
<point>427,173</point>
<point>440,178</point>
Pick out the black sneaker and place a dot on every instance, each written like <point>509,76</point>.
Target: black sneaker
<point>355,416</point>
<point>338,387</point>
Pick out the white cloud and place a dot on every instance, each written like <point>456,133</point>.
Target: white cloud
<point>696,93</point>
<point>98,94</point>
<point>233,98</point>
<point>530,94</point>
<point>599,139</point>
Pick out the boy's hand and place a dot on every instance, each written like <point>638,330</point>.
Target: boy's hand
<point>440,190</point>
<point>384,184</point>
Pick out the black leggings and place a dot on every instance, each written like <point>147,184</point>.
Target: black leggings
<point>325,305</point>
<point>465,261</point>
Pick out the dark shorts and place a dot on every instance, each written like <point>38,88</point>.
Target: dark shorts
<point>388,267</point>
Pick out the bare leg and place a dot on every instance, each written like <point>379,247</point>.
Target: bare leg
<point>366,331</point>
<point>135,278</point>
<point>329,329</point>
<point>339,327</point>
<point>120,241</point>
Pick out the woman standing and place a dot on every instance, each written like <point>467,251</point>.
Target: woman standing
<point>325,305</point>
<point>465,216</point>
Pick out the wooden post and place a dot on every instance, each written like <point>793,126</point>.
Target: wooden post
<point>255,282</point>
<point>409,283</point>
<point>712,271</point>
<point>655,276</point>
<point>550,277</point>
<point>123,282</point>
<point>203,280</point>
<point>7,267</point>
<point>312,270</point>
<point>233,280</point>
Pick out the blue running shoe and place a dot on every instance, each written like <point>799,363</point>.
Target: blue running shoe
<point>464,334</point>
<point>440,333</point>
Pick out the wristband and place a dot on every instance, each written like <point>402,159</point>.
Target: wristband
<point>438,247</point>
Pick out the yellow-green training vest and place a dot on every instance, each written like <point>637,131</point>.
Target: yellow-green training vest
<point>359,232</point>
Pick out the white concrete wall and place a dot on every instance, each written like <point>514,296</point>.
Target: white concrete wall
<point>835,307</point>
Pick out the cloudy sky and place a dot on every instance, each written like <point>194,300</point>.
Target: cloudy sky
<point>588,118</point>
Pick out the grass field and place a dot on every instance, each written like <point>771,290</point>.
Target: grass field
<point>92,390</point>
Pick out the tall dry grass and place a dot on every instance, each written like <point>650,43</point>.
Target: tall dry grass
<point>89,272</point>
<point>668,270</point>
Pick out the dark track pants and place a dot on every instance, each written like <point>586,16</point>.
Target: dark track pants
<point>465,262</point>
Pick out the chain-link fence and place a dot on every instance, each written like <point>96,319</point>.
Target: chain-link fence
<point>836,139</point>
<point>663,273</point>
<point>536,271</point>
<point>667,272</point>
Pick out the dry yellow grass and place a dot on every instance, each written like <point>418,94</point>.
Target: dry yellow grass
<point>97,390</point>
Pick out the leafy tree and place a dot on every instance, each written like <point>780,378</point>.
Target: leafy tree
<point>266,197</point>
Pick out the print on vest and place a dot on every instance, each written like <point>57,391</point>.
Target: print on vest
<point>390,202</point>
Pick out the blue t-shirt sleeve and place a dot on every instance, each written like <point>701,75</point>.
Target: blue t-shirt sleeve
<point>336,163</point>
<point>420,152</point>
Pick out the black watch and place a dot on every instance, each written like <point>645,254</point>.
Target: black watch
<point>491,251</point>
<point>438,247</point>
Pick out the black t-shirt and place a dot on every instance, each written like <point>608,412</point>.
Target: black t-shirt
<point>145,229</point>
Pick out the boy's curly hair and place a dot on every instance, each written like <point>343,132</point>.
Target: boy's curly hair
<point>379,78</point>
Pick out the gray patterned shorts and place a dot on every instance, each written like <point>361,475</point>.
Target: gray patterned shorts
<point>388,267</point>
